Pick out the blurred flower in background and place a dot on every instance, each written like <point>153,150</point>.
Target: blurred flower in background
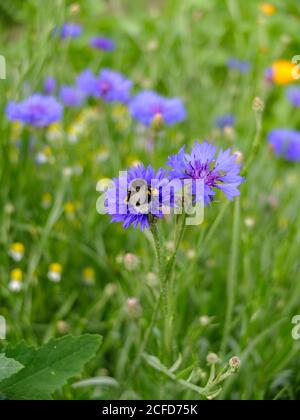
<point>268,9</point>
<point>285,143</point>
<point>49,86</point>
<point>293,95</point>
<point>44,156</point>
<point>281,72</point>
<point>89,276</point>
<point>69,30</point>
<point>55,272</point>
<point>113,87</point>
<point>149,108</point>
<point>110,86</point>
<point>16,280</point>
<point>72,96</point>
<point>46,200</point>
<point>87,82</point>
<point>37,110</point>
<point>223,121</point>
<point>16,251</point>
<point>238,65</point>
<point>102,43</point>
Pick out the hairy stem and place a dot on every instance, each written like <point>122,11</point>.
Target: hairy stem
<point>161,268</point>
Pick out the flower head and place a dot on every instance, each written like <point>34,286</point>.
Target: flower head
<point>16,280</point>
<point>149,108</point>
<point>281,72</point>
<point>293,95</point>
<point>221,172</point>
<point>139,197</point>
<point>101,43</point>
<point>37,110</point>
<point>112,86</point>
<point>227,120</point>
<point>55,272</point>
<point>70,30</point>
<point>72,96</point>
<point>49,86</point>
<point>16,251</point>
<point>87,82</point>
<point>268,9</point>
<point>109,86</point>
<point>46,200</point>
<point>285,143</point>
<point>89,276</point>
<point>238,65</point>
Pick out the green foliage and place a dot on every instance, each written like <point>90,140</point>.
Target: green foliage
<point>47,368</point>
<point>235,288</point>
<point>8,367</point>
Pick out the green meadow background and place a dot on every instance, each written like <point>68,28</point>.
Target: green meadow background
<point>236,285</point>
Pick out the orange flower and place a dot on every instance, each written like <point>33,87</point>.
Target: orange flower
<point>268,9</point>
<point>282,72</point>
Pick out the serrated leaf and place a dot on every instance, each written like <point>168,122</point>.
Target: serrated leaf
<point>8,367</point>
<point>49,367</point>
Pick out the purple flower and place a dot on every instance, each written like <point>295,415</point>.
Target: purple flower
<point>219,172</point>
<point>113,87</point>
<point>87,82</point>
<point>239,65</point>
<point>70,30</point>
<point>49,86</point>
<point>224,121</point>
<point>269,75</point>
<point>101,43</point>
<point>139,198</point>
<point>285,143</point>
<point>293,95</point>
<point>148,105</point>
<point>109,86</point>
<point>72,96</point>
<point>37,110</point>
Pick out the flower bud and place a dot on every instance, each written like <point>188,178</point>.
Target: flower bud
<point>258,105</point>
<point>212,358</point>
<point>234,363</point>
<point>157,122</point>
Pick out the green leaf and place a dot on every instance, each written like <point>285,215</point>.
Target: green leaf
<point>48,368</point>
<point>8,367</point>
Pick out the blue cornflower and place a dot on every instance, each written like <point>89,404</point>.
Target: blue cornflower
<point>285,143</point>
<point>148,106</point>
<point>87,82</point>
<point>221,172</point>
<point>239,65</point>
<point>109,86</point>
<point>113,87</point>
<point>223,121</point>
<point>293,95</point>
<point>49,86</point>
<point>101,43</point>
<point>37,110</point>
<point>139,198</point>
<point>70,30</point>
<point>72,96</point>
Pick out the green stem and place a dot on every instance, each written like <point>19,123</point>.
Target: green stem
<point>148,333</point>
<point>181,230</point>
<point>258,109</point>
<point>161,268</point>
<point>232,275</point>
